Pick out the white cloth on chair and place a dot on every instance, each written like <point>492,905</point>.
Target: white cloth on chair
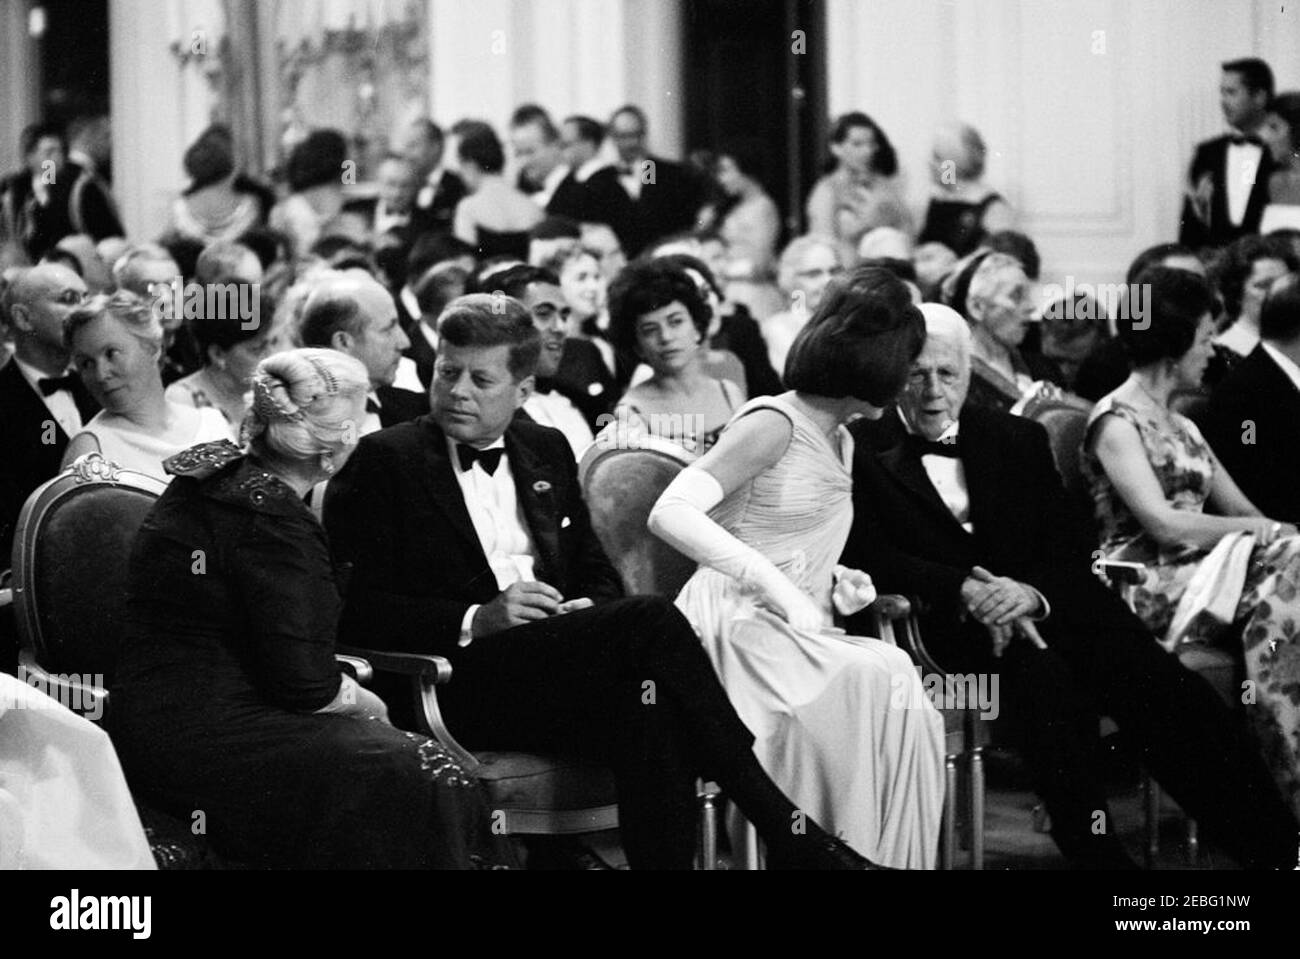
<point>64,803</point>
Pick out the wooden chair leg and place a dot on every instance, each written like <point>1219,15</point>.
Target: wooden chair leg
<point>949,850</point>
<point>977,808</point>
<point>1151,801</point>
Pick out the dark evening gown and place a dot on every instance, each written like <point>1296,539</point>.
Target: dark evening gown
<point>229,647</point>
<point>957,224</point>
<point>494,243</point>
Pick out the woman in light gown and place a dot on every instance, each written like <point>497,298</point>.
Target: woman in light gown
<point>115,342</point>
<point>840,722</point>
<point>1281,135</point>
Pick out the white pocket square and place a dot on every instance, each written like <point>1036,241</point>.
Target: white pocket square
<point>566,523</point>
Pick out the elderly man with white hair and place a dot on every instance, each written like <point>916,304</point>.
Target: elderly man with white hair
<point>1000,305</point>
<point>962,508</point>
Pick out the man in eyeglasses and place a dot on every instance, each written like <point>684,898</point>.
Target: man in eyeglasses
<point>42,404</point>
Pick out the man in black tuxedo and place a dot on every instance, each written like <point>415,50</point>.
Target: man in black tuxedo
<point>1252,420</point>
<point>543,174</point>
<point>467,536</point>
<point>51,197</point>
<point>663,197</point>
<point>352,312</point>
<point>440,190</point>
<point>42,404</point>
<point>964,510</point>
<point>573,386</point>
<point>1228,184</point>
<point>391,211</point>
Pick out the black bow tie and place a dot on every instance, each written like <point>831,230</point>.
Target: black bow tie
<point>52,384</point>
<point>923,447</point>
<point>1242,139</point>
<point>489,458</point>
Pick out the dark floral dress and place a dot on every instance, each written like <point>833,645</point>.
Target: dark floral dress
<point>1269,610</point>
<point>229,650</point>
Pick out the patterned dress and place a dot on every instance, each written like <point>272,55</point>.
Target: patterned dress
<point>841,723</point>
<point>1269,610</point>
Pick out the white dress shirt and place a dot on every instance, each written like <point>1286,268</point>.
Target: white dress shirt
<point>1241,338</point>
<point>60,403</point>
<point>631,181</point>
<point>948,477</point>
<point>1242,166</point>
<point>556,410</point>
<point>552,183</point>
<point>430,189</point>
<point>1287,365</point>
<point>593,165</point>
<point>498,518</point>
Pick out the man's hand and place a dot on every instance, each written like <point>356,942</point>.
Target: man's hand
<point>518,603</point>
<point>997,600</point>
<point>1021,628</point>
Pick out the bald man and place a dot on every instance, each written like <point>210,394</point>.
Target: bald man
<point>963,509</point>
<point>353,313</point>
<point>42,403</point>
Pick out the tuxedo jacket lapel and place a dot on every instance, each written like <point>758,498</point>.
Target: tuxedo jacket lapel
<point>985,470</point>
<point>22,404</point>
<point>535,485</point>
<point>908,470</point>
<point>440,482</point>
<point>86,404</point>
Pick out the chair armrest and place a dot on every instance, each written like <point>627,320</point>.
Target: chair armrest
<point>356,667</point>
<point>418,665</point>
<point>892,607</point>
<point>426,673</point>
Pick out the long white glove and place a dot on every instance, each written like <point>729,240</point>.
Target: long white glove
<point>680,518</point>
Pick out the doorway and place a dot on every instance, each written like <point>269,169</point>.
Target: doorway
<point>756,72</point>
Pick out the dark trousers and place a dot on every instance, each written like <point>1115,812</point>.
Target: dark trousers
<point>626,684</point>
<point>1191,743</point>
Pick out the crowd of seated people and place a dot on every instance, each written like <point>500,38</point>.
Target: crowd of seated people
<point>403,385</point>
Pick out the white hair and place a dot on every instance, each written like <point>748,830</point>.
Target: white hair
<point>943,322</point>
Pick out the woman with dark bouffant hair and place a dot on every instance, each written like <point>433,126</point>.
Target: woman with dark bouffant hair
<point>1211,559</point>
<point>315,171</point>
<point>659,315</point>
<point>494,217</point>
<point>841,722</point>
<point>220,203</point>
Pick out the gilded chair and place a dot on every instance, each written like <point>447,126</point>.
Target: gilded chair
<point>966,735</point>
<point>621,486</point>
<point>69,579</point>
<point>535,795</point>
